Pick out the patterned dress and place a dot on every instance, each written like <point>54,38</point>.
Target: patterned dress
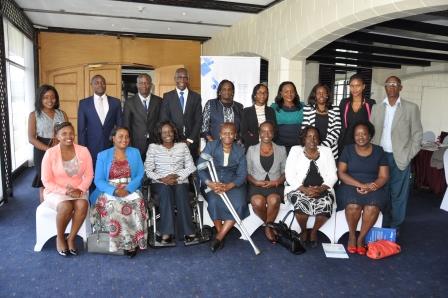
<point>312,206</point>
<point>125,219</point>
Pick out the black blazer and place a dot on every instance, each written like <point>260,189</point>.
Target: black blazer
<point>188,124</point>
<point>141,123</point>
<point>249,125</point>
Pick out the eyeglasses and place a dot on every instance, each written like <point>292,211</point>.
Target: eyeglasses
<point>391,84</point>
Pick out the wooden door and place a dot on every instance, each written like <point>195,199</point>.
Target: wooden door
<point>69,82</point>
<point>112,74</point>
<point>164,79</point>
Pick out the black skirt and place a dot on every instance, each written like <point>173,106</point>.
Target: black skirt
<point>38,155</point>
<point>256,190</point>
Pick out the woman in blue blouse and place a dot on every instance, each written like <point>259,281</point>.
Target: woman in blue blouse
<point>231,168</point>
<point>289,115</point>
<point>118,205</point>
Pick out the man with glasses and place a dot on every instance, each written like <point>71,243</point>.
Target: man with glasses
<point>183,107</point>
<point>399,131</point>
<point>141,114</point>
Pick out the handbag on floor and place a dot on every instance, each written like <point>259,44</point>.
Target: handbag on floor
<point>286,237</point>
<point>99,243</point>
<point>382,248</point>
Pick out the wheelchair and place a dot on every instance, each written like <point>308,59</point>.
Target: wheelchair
<point>203,233</point>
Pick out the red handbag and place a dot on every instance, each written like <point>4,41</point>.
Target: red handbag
<point>382,248</point>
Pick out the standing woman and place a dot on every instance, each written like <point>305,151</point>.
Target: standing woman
<point>320,113</point>
<point>67,173</point>
<point>354,110</point>
<point>41,128</point>
<point>289,114</point>
<point>220,110</point>
<point>253,116</point>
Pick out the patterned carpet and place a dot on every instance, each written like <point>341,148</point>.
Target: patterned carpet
<point>421,270</point>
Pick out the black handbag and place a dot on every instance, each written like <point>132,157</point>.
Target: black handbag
<point>286,237</point>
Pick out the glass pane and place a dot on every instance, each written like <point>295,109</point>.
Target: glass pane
<point>17,105</point>
<point>15,50</point>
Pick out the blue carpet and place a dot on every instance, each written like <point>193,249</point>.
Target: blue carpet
<point>421,270</point>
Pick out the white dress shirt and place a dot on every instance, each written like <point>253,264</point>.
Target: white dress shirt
<point>185,91</point>
<point>101,106</point>
<point>386,137</point>
<point>143,99</point>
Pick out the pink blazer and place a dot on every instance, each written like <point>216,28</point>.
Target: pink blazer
<point>53,174</point>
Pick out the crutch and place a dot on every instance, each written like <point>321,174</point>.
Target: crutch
<point>212,170</point>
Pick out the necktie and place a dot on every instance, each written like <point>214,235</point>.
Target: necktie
<point>145,103</point>
<point>101,110</point>
<point>182,100</point>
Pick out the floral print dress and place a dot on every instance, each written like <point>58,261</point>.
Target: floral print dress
<point>125,219</point>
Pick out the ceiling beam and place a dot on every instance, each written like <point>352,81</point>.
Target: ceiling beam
<point>414,26</point>
<point>364,37</point>
<point>207,4</point>
<point>361,63</point>
<point>374,58</point>
<point>120,34</point>
<point>347,45</point>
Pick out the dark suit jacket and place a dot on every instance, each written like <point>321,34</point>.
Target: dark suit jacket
<point>188,124</point>
<point>91,133</point>
<point>249,125</point>
<point>141,123</point>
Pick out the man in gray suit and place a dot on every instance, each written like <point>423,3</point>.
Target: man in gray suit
<point>183,107</point>
<point>399,131</point>
<point>141,114</point>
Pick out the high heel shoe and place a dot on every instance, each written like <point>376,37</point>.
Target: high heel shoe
<point>63,253</point>
<point>74,252</point>
<point>352,249</point>
<point>131,253</point>
<point>361,250</point>
<point>216,244</point>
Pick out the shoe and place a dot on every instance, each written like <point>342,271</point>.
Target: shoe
<point>191,239</point>
<point>131,253</point>
<point>362,250</point>
<point>352,249</point>
<point>167,240</point>
<point>74,252</point>
<point>216,244</point>
<point>313,243</point>
<point>63,253</point>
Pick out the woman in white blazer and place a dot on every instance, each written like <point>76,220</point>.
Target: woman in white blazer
<point>310,175</point>
<point>266,175</point>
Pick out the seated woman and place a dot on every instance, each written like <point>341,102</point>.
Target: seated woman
<point>266,175</point>
<point>363,170</point>
<point>118,205</point>
<point>231,168</point>
<point>168,164</point>
<point>310,173</point>
<point>67,173</point>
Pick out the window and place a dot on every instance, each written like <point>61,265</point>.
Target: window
<point>20,79</point>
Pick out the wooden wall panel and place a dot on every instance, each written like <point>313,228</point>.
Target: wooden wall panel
<point>61,50</point>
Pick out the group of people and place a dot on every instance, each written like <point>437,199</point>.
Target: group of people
<point>263,155</point>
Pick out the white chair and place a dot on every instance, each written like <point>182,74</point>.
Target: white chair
<point>46,227</point>
<point>342,226</point>
<point>444,205</point>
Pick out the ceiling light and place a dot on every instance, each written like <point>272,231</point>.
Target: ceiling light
<point>184,13</point>
<point>169,28</point>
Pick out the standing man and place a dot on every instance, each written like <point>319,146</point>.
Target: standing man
<point>399,132</point>
<point>97,116</point>
<point>183,107</point>
<point>141,114</point>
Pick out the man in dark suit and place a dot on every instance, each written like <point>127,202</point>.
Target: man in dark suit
<point>183,107</point>
<point>97,116</point>
<point>141,114</point>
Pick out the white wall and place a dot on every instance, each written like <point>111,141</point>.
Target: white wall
<point>425,86</point>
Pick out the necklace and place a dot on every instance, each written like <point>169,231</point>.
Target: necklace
<point>266,151</point>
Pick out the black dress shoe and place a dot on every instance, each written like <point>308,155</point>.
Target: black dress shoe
<point>191,238</point>
<point>216,244</point>
<point>74,252</point>
<point>167,240</point>
<point>313,243</point>
<point>131,253</point>
<point>63,253</point>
